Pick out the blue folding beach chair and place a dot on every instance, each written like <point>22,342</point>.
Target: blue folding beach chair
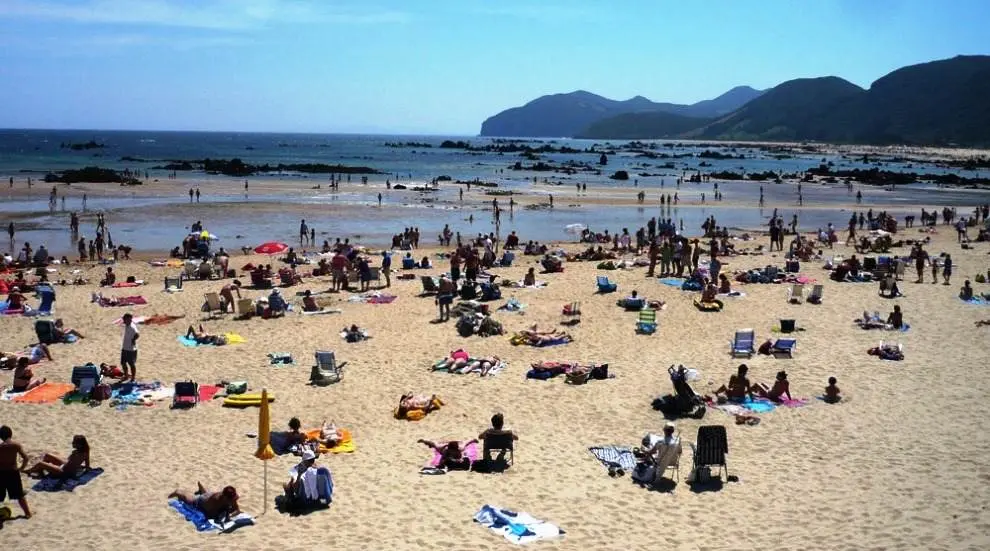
<point>47,294</point>
<point>743,345</point>
<point>606,286</point>
<point>784,348</point>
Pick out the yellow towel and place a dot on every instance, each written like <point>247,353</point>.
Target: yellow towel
<point>346,444</point>
<point>234,338</point>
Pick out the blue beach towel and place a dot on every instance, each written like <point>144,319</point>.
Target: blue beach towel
<point>203,524</point>
<point>553,342</point>
<point>672,281</point>
<point>978,301</point>
<point>58,485</point>
<point>758,405</point>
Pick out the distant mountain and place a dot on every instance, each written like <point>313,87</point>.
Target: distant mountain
<point>642,126</point>
<point>936,103</point>
<point>793,110</point>
<point>566,115</point>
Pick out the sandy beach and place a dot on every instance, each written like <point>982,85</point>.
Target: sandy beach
<point>897,466</point>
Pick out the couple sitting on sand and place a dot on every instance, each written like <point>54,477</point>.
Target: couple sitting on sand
<point>453,454</point>
<point>739,388</point>
<point>329,436</point>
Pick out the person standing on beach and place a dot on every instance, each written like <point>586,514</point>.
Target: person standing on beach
<point>12,182</point>
<point>197,195</point>
<point>245,188</point>
<point>10,473</point>
<point>460,194</point>
<point>303,231</point>
<point>84,202</point>
<point>379,199</point>
<point>128,347</point>
<point>10,231</point>
<point>551,200</point>
<point>191,193</point>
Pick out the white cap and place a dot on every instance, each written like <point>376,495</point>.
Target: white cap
<point>670,425</point>
<point>308,455</point>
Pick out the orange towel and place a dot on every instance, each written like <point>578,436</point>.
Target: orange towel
<point>344,446</point>
<point>45,393</point>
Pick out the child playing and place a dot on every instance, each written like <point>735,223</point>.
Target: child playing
<point>832,392</point>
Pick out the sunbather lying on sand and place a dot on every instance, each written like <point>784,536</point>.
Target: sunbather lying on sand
<point>52,465</point>
<point>215,505</point>
<point>421,402</point>
<point>330,435</point>
<point>451,453</point>
<point>537,337</point>
<point>464,366</point>
<point>202,337</point>
<point>780,388</point>
<point>38,352</point>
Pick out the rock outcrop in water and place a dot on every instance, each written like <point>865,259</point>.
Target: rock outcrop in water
<point>238,168</point>
<point>92,174</point>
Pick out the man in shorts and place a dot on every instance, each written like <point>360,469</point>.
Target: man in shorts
<point>128,347</point>
<point>10,473</point>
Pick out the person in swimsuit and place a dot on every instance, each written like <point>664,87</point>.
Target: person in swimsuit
<point>24,379</point>
<point>15,300</point>
<point>202,337</point>
<point>330,435</point>
<point>52,465</point>
<point>896,318</point>
<point>215,505</point>
<point>529,280</point>
<point>738,387</point>
<point>410,402</point>
<point>10,473</point>
<point>780,388</point>
<point>309,303</point>
<point>451,454</point>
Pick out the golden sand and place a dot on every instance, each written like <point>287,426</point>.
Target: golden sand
<point>902,465</point>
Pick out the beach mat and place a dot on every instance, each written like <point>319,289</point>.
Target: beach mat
<point>611,456</point>
<point>232,338</point>
<point>46,393</point>
<point>517,527</point>
<point>672,282</point>
<point>207,392</point>
<point>50,484</point>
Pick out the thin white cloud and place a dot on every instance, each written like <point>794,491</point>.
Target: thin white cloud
<point>536,11</point>
<point>202,14</point>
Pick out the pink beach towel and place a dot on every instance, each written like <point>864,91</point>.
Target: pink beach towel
<point>470,451</point>
<point>383,299</point>
<point>795,403</point>
<point>207,392</point>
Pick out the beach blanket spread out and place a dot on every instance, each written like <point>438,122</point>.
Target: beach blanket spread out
<point>204,524</point>
<point>519,528</point>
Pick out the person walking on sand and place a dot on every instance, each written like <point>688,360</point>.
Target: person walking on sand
<point>379,199</point>
<point>10,231</point>
<point>10,473</point>
<point>128,348</point>
<point>303,231</point>
<point>197,195</point>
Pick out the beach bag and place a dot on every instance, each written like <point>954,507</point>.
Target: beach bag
<point>465,326</point>
<point>787,326</point>
<point>101,392</point>
<point>599,372</point>
<point>578,377</point>
<point>238,387</point>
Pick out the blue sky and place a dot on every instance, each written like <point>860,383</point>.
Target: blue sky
<point>433,66</point>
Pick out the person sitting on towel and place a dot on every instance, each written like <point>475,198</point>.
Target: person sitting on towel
<point>24,378</point>
<point>738,387</point>
<point>15,300</point>
<point>451,454</point>
<point>529,280</point>
<point>896,318</point>
<point>52,465</point>
<point>966,293</point>
<point>295,436</point>
<point>215,505</point>
<point>309,303</point>
<point>302,481</point>
<point>62,332</point>
<point>780,388</point>
<point>710,293</point>
<point>202,337</point>
<point>353,334</point>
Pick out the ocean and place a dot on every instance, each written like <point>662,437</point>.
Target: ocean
<point>33,153</point>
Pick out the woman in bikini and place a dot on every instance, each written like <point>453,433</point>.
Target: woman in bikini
<point>451,454</point>
<point>780,388</point>
<point>76,464</point>
<point>202,337</point>
<point>24,379</point>
<point>409,402</point>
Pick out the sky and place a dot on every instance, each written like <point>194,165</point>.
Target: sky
<point>433,66</point>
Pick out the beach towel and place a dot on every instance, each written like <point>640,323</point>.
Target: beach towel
<point>122,301</point>
<point>345,445</point>
<point>124,284</point>
<point>51,484</point>
<point>138,320</point>
<point>203,524</point>
<point>433,465</point>
<point>45,393</point>
<point>980,301</point>
<point>232,338</point>
<point>733,294</point>
<point>795,403</point>
<point>513,305</point>
<point>280,358</point>
<point>499,366</point>
<point>672,281</point>
<point>519,528</point>
<point>207,392</point>
<point>612,456</point>
<point>139,394</point>
<point>748,405</point>
<point>322,311</point>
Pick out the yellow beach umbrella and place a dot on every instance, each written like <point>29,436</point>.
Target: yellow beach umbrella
<point>264,452</point>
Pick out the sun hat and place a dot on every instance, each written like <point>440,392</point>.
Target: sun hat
<point>308,455</point>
